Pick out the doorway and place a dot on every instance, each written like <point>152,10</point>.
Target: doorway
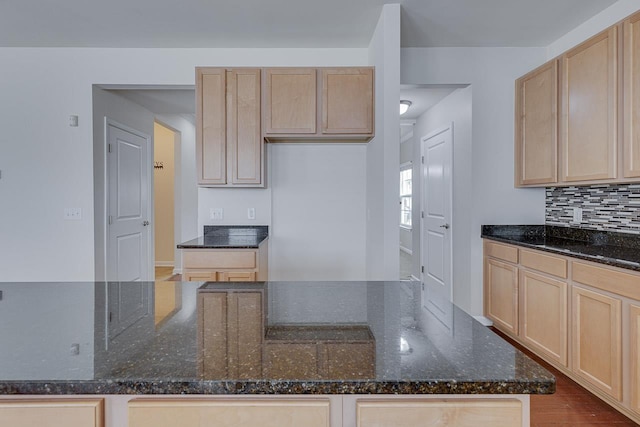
<point>164,143</point>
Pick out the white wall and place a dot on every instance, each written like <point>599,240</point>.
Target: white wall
<point>456,109</point>
<point>611,15</point>
<point>186,194</point>
<point>47,165</point>
<point>319,204</point>
<point>383,152</point>
<point>491,194</point>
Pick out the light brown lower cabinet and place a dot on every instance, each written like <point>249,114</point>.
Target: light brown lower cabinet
<point>229,413</point>
<point>543,322</point>
<point>501,294</point>
<point>442,412</point>
<point>582,317</point>
<point>225,265</point>
<point>597,340</point>
<point>52,413</point>
<point>634,360</point>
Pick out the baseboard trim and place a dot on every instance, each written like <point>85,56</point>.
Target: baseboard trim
<point>164,264</point>
<point>484,320</point>
<point>406,251</point>
<point>177,271</point>
<point>414,278</point>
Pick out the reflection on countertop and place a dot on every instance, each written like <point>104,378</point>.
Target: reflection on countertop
<point>357,337</point>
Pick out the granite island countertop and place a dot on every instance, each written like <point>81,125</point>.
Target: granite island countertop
<point>122,338</point>
<point>228,237</point>
<point>605,247</point>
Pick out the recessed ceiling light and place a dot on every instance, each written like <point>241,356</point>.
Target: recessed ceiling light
<point>404,106</point>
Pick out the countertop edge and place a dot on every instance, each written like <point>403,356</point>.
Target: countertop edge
<point>284,387</point>
<point>600,260</point>
<point>186,245</point>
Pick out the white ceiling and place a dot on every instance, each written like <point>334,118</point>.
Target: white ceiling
<point>286,23</point>
<point>423,97</point>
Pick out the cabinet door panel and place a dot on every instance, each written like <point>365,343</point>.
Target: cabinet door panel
<point>243,126</point>
<point>347,100</point>
<point>52,413</point>
<point>631,95</point>
<point>453,412</point>
<point>229,413</point>
<point>589,109</point>
<point>290,105</point>
<point>537,126</point>
<point>544,314</point>
<point>501,298</point>
<point>597,340</point>
<point>634,343</point>
<point>212,335</point>
<point>211,138</point>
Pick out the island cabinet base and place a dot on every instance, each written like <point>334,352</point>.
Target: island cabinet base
<point>326,411</point>
<point>270,411</point>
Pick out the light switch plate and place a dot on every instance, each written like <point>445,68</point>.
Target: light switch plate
<point>251,213</point>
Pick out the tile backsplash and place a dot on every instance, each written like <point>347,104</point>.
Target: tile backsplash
<point>604,207</point>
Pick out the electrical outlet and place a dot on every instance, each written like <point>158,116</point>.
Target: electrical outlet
<point>216,214</point>
<point>251,213</point>
<point>577,215</point>
<point>72,213</point>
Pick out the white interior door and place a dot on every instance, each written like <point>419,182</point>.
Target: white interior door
<point>436,223</point>
<point>128,241</point>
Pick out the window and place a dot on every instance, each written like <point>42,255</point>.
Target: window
<point>405,195</point>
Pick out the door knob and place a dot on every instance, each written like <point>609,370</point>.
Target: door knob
<point>145,223</point>
<point>445,226</point>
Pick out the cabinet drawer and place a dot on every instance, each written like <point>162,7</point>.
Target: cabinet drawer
<point>458,412</point>
<point>607,279</point>
<point>199,276</point>
<point>219,259</point>
<point>229,413</point>
<point>236,276</point>
<point>52,413</point>
<point>503,252</point>
<point>545,263</point>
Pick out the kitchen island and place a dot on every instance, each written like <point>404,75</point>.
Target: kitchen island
<point>342,352</point>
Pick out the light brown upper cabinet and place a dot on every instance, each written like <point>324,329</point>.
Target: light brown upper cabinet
<point>588,126</point>
<point>347,101</point>
<point>631,96</point>
<point>318,104</point>
<point>537,126</point>
<point>290,101</point>
<point>230,151</point>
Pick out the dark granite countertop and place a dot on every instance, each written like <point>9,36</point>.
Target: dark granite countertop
<point>605,247</point>
<point>124,338</point>
<point>228,237</point>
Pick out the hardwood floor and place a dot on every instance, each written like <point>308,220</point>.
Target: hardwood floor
<point>571,405</point>
<point>166,274</point>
